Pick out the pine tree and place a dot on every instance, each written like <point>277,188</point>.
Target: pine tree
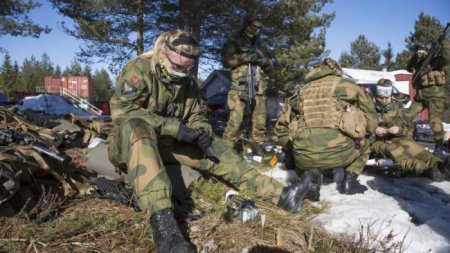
<point>102,85</point>
<point>388,55</point>
<point>75,68</point>
<point>8,77</point>
<point>14,19</point>
<point>87,71</point>
<point>114,32</point>
<point>30,76</point>
<point>402,58</point>
<point>426,30</point>
<point>364,55</point>
<point>57,71</point>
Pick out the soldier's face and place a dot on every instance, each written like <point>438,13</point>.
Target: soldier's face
<point>422,53</point>
<point>382,100</point>
<point>176,63</point>
<point>254,28</point>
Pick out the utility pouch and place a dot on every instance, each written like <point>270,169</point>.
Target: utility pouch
<point>353,122</point>
<point>439,77</point>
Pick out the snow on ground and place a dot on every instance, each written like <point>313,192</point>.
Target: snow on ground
<point>414,209</point>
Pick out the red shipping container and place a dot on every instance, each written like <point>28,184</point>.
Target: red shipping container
<point>79,86</point>
<point>53,84</point>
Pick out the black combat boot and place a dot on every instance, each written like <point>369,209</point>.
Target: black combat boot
<point>435,174</point>
<point>347,182</point>
<point>440,172</point>
<point>445,167</point>
<point>439,149</point>
<point>308,186</point>
<point>167,235</point>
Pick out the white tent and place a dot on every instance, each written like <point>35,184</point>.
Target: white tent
<point>371,77</point>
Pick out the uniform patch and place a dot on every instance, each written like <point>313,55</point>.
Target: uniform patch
<point>127,89</point>
<point>134,80</point>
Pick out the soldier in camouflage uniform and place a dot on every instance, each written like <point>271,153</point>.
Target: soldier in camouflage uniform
<point>430,90</point>
<point>310,125</point>
<point>159,119</point>
<point>393,140</point>
<point>238,54</point>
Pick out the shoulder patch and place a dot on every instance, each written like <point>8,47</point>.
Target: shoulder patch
<point>134,80</point>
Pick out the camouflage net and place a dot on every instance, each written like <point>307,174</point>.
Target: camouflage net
<point>42,161</point>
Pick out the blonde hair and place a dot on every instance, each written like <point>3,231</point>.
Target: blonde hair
<point>168,37</point>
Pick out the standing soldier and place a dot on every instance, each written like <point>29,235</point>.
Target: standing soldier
<point>159,119</point>
<point>327,124</point>
<point>394,142</point>
<point>246,98</point>
<point>430,89</point>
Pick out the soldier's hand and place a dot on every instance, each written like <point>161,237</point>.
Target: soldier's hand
<point>252,57</point>
<point>186,134</point>
<point>381,131</point>
<point>204,140</point>
<point>394,130</point>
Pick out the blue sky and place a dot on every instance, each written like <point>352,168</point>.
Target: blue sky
<point>381,21</point>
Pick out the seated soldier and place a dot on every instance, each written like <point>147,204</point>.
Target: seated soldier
<point>394,142</point>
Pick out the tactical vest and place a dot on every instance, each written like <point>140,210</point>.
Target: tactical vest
<point>433,78</point>
<point>319,107</point>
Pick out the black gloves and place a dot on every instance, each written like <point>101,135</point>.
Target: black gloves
<point>204,140</point>
<point>186,134</point>
<point>200,137</point>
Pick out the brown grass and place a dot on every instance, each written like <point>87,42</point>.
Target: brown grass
<point>85,224</point>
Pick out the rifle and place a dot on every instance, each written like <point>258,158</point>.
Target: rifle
<point>436,47</point>
<point>115,190</point>
<point>251,79</point>
<point>8,136</point>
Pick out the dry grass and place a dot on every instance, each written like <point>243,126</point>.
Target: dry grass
<point>85,224</point>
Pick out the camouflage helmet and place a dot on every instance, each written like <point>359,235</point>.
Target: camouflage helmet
<point>252,25</point>
<point>249,18</point>
<point>325,68</point>
<point>332,64</point>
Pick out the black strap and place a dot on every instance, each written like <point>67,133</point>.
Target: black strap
<point>183,40</point>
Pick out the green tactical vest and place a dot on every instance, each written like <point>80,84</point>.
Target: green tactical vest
<point>320,109</point>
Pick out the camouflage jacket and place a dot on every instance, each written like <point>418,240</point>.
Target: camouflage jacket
<point>141,92</point>
<point>346,90</point>
<point>238,51</point>
<point>435,69</point>
<point>393,115</point>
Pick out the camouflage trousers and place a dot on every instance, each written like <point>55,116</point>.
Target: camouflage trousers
<point>236,106</point>
<point>436,107</point>
<point>315,150</point>
<point>408,154</point>
<point>137,145</point>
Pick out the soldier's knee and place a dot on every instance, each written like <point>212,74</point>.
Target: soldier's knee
<point>137,129</point>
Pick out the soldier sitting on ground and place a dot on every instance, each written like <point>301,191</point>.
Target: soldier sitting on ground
<point>394,142</point>
<point>320,124</point>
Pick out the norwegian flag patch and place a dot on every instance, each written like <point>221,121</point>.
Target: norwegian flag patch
<point>134,80</point>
